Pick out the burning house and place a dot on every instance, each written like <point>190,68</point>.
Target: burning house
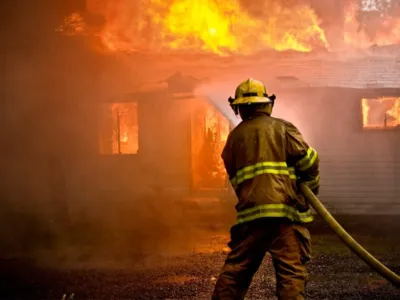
<point>320,60</point>
<point>346,106</point>
<point>167,136</point>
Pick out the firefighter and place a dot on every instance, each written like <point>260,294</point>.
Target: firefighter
<point>266,158</point>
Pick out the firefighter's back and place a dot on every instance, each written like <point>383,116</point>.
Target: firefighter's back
<point>262,176</point>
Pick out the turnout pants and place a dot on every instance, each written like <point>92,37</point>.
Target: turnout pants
<point>290,249</point>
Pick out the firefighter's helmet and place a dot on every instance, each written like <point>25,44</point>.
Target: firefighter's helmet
<point>250,92</point>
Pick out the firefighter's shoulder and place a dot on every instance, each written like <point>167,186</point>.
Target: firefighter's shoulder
<point>285,123</point>
<point>239,128</point>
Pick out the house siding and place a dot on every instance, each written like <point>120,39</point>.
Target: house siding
<point>359,184</point>
<point>359,168</point>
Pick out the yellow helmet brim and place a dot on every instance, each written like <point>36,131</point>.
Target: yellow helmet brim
<point>251,100</point>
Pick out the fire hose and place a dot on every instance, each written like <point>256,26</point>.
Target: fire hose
<point>370,260</point>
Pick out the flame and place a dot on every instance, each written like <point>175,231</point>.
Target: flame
<point>210,130</point>
<point>73,24</point>
<point>124,137</point>
<point>382,112</point>
<point>125,117</point>
<point>226,27</point>
<point>384,29</point>
<point>217,125</point>
<point>215,26</point>
<point>119,129</point>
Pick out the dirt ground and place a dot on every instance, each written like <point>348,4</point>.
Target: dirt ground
<point>335,273</point>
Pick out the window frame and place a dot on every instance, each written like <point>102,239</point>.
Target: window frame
<point>361,112</point>
<point>372,93</point>
<point>100,116</point>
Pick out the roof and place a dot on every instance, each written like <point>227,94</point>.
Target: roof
<point>376,67</point>
<point>363,73</point>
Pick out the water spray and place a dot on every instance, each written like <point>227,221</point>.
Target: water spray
<point>210,94</point>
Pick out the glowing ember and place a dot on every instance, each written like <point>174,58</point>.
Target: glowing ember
<point>119,132</point>
<point>381,112</point>
<point>217,26</point>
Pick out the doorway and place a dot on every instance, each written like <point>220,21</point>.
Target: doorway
<point>209,131</point>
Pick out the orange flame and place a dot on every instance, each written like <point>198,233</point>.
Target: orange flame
<point>216,26</point>
<point>72,25</point>
<point>381,112</point>
<point>210,130</point>
<point>119,134</point>
<point>218,126</point>
<point>225,27</point>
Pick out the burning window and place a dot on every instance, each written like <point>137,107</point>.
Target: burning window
<point>210,130</point>
<point>383,112</point>
<point>119,128</point>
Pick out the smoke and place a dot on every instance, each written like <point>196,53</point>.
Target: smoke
<point>219,91</point>
<point>288,105</point>
<point>62,204</point>
<point>218,94</point>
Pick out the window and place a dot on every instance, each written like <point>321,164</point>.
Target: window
<point>119,128</point>
<point>381,113</point>
<point>210,130</point>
